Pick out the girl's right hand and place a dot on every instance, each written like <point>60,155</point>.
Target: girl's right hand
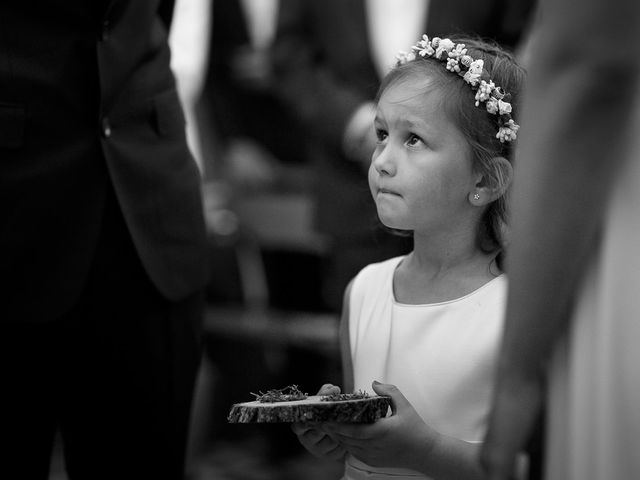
<point>313,437</point>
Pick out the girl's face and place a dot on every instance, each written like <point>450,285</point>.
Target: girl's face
<point>421,170</point>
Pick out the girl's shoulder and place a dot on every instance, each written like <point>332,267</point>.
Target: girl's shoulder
<point>374,279</point>
<point>378,271</point>
<point>495,286</point>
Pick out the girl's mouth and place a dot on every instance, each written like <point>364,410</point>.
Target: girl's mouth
<point>388,192</point>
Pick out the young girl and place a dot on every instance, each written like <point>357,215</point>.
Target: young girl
<point>428,324</point>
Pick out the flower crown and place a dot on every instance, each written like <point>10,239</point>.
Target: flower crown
<point>457,61</point>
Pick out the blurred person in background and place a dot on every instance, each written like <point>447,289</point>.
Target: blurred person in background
<point>261,175</point>
<point>257,135</point>
<point>189,42</point>
<point>572,309</point>
<point>329,58</point>
<point>102,243</point>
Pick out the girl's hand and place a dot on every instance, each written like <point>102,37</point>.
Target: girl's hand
<point>317,441</point>
<point>315,438</point>
<point>400,440</point>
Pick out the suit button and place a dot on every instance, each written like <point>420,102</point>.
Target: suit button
<point>104,33</point>
<point>106,128</point>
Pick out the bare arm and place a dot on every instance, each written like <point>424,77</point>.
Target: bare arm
<point>404,440</point>
<point>578,102</point>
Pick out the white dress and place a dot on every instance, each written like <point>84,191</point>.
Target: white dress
<point>594,412</point>
<point>442,356</point>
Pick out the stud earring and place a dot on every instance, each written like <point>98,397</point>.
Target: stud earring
<point>476,196</point>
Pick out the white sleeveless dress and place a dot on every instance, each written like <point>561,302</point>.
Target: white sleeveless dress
<point>442,356</point>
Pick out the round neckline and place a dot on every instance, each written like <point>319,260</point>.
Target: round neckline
<point>435,304</point>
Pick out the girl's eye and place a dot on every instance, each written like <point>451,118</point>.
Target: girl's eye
<point>381,135</point>
<point>414,140</point>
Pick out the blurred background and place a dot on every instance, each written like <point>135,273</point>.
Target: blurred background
<point>266,325</point>
<point>272,90</point>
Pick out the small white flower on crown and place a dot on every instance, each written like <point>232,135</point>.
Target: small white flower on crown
<point>508,131</point>
<point>484,91</point>
<point>504,107</point>
<point>404,57</point>
<point>452,65</point>
<point>472,76</point>
<point>445,45</point>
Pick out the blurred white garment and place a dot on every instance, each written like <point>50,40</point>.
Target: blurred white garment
<point>393,27</point>
<point>262,17</point>
<point>594,422</point>
<point>189,42</point>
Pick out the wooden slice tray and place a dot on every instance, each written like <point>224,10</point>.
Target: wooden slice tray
<point>311,409</point>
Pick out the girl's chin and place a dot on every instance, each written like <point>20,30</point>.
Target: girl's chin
<point>392,223</point>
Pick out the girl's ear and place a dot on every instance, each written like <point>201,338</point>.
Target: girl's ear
<point>493,183</point>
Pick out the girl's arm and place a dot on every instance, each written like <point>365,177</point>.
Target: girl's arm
<point>403,440</point>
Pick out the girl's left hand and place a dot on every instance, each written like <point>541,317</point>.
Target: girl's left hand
<point>391,441</point>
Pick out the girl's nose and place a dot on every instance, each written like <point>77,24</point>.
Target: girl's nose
<point>383,160</point>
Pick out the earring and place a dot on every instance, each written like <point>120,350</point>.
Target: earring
<point>476,196</point>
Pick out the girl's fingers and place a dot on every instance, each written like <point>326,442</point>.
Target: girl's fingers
<point>329,389</point>
<point>326,445</point>
<point>300,428</point>
<point>312,436</point>
<point>349,431</point>
<point>398,400</point>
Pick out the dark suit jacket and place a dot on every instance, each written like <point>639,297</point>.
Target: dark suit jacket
<point>87,99</point>
<point>325,71</point>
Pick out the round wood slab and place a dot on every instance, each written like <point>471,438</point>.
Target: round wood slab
<point>311,409</point>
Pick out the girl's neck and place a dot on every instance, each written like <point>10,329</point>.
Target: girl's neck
<point>437,271</point>
<point>444,253</point>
